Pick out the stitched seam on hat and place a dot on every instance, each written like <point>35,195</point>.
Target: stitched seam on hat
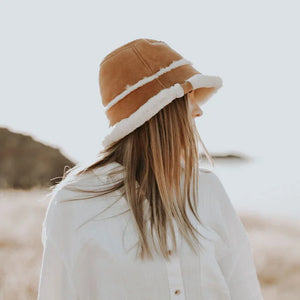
<point>117,51</point>
<point>147,65</point>
<point>141,59</point>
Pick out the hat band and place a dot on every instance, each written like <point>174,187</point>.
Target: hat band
<point>145,80</point>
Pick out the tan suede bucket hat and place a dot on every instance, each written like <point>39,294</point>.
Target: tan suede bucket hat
<point>141,77</point>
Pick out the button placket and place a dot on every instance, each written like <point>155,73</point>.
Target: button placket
<point>174,272</point>
<point>177,292</point>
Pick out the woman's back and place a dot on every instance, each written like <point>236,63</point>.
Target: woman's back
<point>90,249</point>
<point>138,241</point>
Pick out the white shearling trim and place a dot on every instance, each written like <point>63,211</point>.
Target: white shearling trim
<point>200,80</point>
<point>143,114</point>
<point>155,104</point>
<point>129,89</point>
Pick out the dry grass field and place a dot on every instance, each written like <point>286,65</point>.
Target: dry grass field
<point>275,243</point>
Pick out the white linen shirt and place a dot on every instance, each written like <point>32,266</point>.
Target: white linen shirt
<point>90,255</point>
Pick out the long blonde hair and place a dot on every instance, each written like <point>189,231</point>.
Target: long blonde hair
<point>151,156</point>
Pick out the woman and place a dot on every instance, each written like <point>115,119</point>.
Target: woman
<point>144,221</point>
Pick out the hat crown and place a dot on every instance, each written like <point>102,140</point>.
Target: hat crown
<point>132,62</point>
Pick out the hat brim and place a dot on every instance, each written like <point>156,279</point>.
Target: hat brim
<point>204,85</point>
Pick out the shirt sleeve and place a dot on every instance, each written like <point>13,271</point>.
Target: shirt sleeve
<point>237,264</point>
<point>60,235</point>
<point>54,282</point>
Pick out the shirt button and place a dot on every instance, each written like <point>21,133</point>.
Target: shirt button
<point>177,292</point>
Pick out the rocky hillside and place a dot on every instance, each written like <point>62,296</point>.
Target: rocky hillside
<point>26,163</point>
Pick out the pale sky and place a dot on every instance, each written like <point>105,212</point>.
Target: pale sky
<point>51,51</point>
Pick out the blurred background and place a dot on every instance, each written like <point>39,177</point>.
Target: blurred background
<point>51,115</point>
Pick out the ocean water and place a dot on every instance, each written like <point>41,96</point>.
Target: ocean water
<point>264,186</point>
